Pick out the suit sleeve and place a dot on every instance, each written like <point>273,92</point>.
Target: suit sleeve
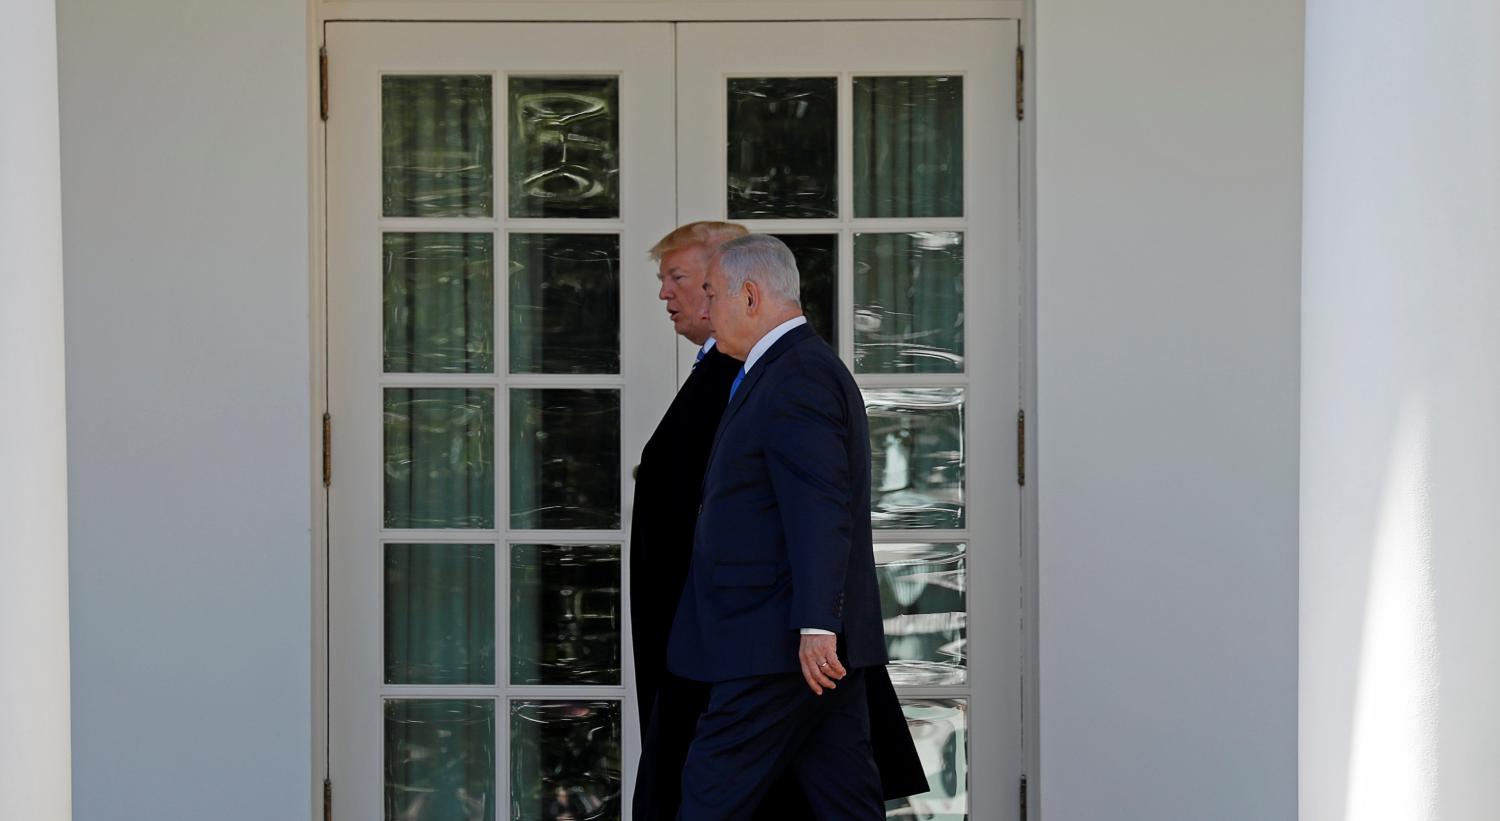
<point>808,461</point>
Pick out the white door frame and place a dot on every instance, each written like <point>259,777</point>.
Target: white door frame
<point>320,12</point>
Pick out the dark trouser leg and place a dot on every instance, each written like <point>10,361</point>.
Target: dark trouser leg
<point>784,801</point>
<point>756,728</point>
<point>664,748</point>
<point>836,764</point>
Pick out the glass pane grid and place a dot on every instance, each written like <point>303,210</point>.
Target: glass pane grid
<point>440,759</point>
<point>853,217</point>
<point>845,223</point>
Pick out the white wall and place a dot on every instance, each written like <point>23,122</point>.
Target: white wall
<point>185,202</point>
<point>34,735</point>
<point>1400,672</point>
<point>1169,143</point>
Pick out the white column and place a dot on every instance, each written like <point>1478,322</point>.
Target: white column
<point>35,764</point>
<point>1399,693</point>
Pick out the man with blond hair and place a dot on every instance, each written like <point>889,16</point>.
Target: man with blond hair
<point>668,487</point>
<point>665,512</point>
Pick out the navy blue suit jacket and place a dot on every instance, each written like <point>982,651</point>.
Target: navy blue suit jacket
<point>783,537</point>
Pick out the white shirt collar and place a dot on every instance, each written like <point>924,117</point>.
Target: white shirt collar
<point>765,343</point>
<point>707,346</point>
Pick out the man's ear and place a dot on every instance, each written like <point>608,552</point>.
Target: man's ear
<point>752,297</point>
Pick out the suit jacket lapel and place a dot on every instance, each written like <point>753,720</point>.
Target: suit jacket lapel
<point>752,378</point>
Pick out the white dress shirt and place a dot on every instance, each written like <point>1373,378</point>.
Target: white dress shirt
<point>759,348</point>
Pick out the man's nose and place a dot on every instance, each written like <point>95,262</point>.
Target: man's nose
<point>663,293</point>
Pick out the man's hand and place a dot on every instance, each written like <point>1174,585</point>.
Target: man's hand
<point>820,662</point>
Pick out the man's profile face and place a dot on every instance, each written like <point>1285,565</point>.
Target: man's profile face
<point>727,314</point>
<point>681,273</point>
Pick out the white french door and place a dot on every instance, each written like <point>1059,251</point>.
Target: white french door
<point>497,358</point>
<point>495,364</point>
<point>885,153</point>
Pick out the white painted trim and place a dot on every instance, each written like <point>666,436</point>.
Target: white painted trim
<point>669,10</point>
<point>35,687</point>
<point>318,402</point>
<point>1031,757</point>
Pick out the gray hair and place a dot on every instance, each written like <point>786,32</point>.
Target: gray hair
<point>765,259</point>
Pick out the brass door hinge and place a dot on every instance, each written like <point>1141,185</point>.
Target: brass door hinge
<point>327,799</point>
<point>323,82</point>
<point>327,449</point>
<point>1020,84</point>
<point>1021,448</point>
<point>1023,798</point>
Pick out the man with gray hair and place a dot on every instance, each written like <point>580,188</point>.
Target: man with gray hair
<point>781,612</point>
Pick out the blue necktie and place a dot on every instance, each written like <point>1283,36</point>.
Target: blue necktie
<point>702,352</point>
<point>740,377</point>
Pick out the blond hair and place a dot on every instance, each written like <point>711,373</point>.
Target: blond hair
<point>709,233</point>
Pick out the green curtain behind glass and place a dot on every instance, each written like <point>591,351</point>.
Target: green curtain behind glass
<point>908,147</point>
<point>440,759</point>
<point>439,302</point>
<point>439,458</point>
<point>913,284</point>
<point>437,149</point>
<point>439,614</point>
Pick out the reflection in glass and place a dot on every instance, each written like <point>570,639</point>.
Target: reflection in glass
<point>439,300</point>
<point>565,614</point>
<point>564,458</point>
<point>783,147</point>
<point>818,264</point>
<point>439,457</point>
<point>917,457</point>
<point>564,147</point>
<point>564,303</point>
<point>439,614</point>
<point>908,146</point>
<point>909,302</point>
<point>922,597</point>
<point>940,728</point>
<point>440,759</point>
<point>565,760</point>
<point>435,145</point>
